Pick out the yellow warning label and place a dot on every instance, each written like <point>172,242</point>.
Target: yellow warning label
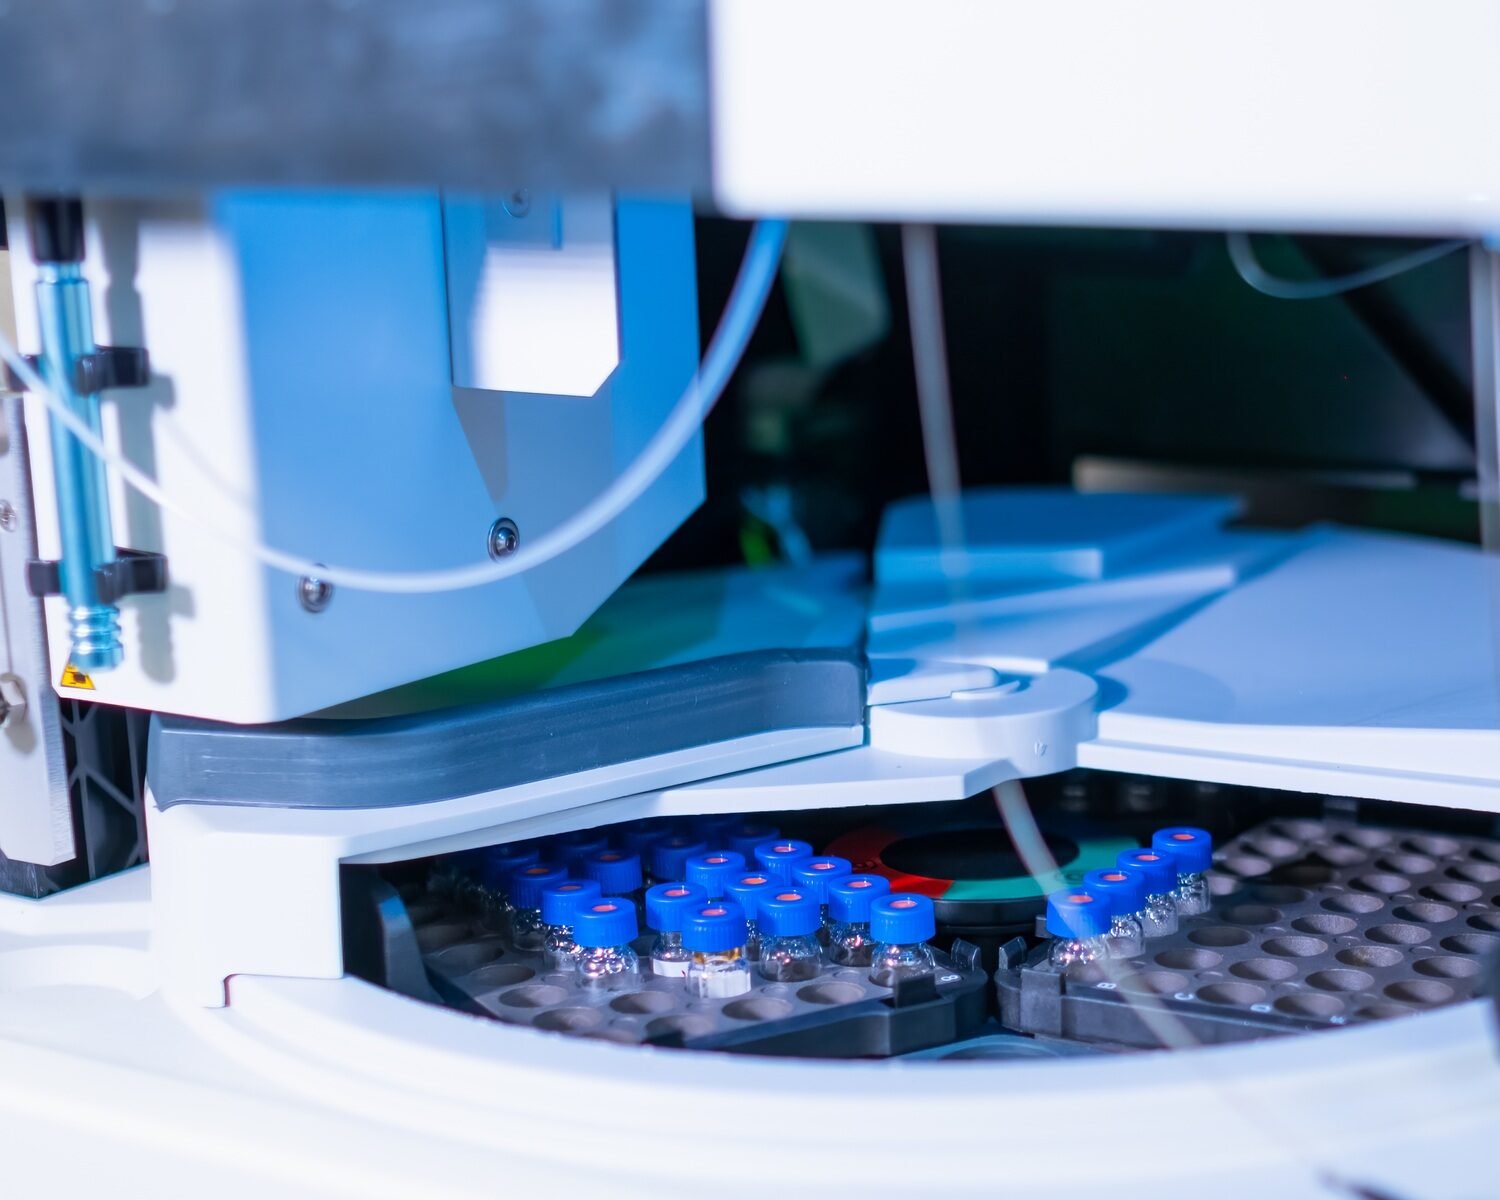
<point>74,678</point>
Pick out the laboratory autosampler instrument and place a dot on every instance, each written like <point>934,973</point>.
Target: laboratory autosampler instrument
<point>354,344</point>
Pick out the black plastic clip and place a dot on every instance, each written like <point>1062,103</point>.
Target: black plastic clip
<point>133,573</point>
<point>107,367</point>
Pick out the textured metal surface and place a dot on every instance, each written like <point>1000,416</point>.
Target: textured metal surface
<point>388,761</point>
<point>1315,923</point>
<point>143,95</point>
<point>483,971</point>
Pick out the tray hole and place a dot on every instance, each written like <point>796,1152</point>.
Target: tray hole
<point>1467,943</point>
<point>1427,912</point>
<point>1275,847</point>
<point>534,995</point>
<point>1338,980</point>
<point>1339,856</point>
<point>502,975</point>
<point>568,1020</point>
<point>1488,852</point>
<point>831,993</point>
<point>1445,967</point>
<point>431,938</point>
<point>1188,959</point>
<point>1232,993</point>
<point>1328,924</point>
<point>1219,935</point>
<point>643,1002</point>
<point>759,1008</point>
<point>1407,864</point>
<point>1369,956</point>
<point>1272,969</point>
<point>1310,1004</point>
<point>1279,893</point>
<point>1383,882</point>
<point>1399,935</point>
<point>1381,1011</point>
<point>1365,839</point>
<point>468,955</point>
<point>1296,947</point>
<point>687,1025</point>
<point>1304,874</point>
<point>1489,922</point>
<point>1419,991</point>
<point>1302,830</point>
<point>1354,902</point>
<point>1430,844</point>
<point>1475,872</point>
<point>1220,884</point>
<point>1247,866</point>
<point>1158,983</point>
<point>1453,893</point>
<point>1252,914</point>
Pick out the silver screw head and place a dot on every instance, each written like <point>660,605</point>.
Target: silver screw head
<point>314,594</point>
<point>504,538</point>
<point>8,517</point>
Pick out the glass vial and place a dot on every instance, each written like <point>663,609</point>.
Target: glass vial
<point>712,871</point>
<point>1126,892</point>
<point>714,934</point>
<point>1159,913</point>
<point>605,962</point>
<point>901,924</point>
<point>667,905</point>
<point>1078,919</point>
<point>1191,851</point>
<point>559,904</point>
<point>850,943</point>
<point>526,887</point>
<point>816,873</point>
<point>746,891</point>
<point>779,856</point>
<point>789,921</point>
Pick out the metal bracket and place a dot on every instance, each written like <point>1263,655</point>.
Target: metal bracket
<point>107,367</point>
<point>132,573</point>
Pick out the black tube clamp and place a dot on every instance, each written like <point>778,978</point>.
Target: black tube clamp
<point>133,573</point>
<point>107,367</point>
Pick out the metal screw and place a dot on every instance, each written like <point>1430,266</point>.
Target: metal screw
<point>504,538</point>
<point>12,701</point>
<point>7,516</point>
<point>314,594</point>
<point>518,203</point>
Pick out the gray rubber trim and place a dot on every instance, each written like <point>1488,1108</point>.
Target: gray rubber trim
<point>138,96</point>
<point>389,761</point>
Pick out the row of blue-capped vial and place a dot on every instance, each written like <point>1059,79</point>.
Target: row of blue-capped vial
<point>1115,911</point>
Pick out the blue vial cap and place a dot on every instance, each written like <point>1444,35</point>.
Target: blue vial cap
<point>569,848</point>
<point>717,925</point>
<point>713,870</point>
<point>747,889</point>
<point>670,855</point>
<point>817,872</point>
<point>1125,890</point>
<point>605,921</point>
<point>527,883</point>
<point>785,911</point>
<point>850,897</point>
<point>617,872</point>
<point>1159,870</point>
<point>498,862</point>
<point>1078,912</point>
<point>1191,849</point>
<point>667,902</point>
<point>746,835</point>
<point>902,918</point>
<point>559,899</point>
<point>780,855</point>
<point>640,837</point>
